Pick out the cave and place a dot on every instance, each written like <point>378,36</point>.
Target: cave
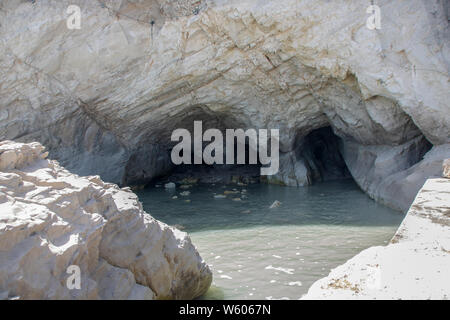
<point>321,152</point>
<point>86,169</point>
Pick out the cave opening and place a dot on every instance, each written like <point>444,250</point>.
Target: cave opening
<point>220,173</point>
<point>320,151</point>
<point>152,162</point>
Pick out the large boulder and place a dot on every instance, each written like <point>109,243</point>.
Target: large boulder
<point>51,219</point>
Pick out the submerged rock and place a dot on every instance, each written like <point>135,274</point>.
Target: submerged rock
<point>51,219</point>
<point>189,181</point>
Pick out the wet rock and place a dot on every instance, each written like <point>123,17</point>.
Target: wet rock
<point>189,181</point>
<point>230,192</point>
<point>170,185</point>
<point>275,204</point>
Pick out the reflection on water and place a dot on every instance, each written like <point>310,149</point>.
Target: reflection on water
<point>261,253</point>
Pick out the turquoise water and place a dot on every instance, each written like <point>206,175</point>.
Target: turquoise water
<point>260,253</point>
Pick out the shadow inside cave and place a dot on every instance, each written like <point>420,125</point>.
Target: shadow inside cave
<point>321,152</point>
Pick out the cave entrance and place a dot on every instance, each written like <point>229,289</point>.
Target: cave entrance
<point>220,173</point>
<point>320,151</point>
<point>152,162</point>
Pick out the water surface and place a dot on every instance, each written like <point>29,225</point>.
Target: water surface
<point>260,253</point>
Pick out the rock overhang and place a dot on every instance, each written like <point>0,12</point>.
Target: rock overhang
<point>292,66</point>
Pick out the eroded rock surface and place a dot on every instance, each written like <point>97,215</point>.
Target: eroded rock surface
<point>113,91</point>
<point>446,168</point>
<point>415,264</point>
<point>51,219</point>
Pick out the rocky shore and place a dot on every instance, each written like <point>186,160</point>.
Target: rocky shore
<point>414,265</point>
<point>104,99</point>
<point>51,219</point>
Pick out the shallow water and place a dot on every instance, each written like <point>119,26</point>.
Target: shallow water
<point>260,253</point>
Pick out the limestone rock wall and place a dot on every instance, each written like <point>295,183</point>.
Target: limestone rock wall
<point>120,84</point>
<point>51,219</point>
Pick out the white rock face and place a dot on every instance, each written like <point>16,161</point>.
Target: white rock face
<point>394,175</point>
<point>415,265</point>
<point>51,219</point>
<point>113,91</point>
<point>292,172</point>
